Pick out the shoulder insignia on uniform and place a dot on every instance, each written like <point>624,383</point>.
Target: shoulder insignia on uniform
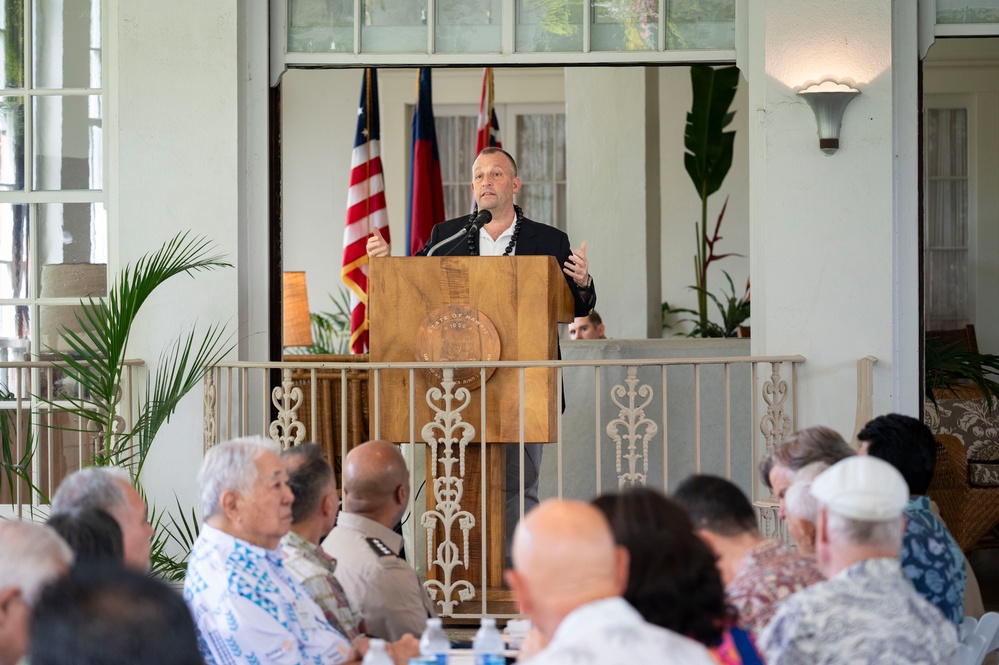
<point>380,548</point>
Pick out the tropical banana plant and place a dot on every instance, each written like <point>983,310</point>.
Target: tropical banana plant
<point>95,360</point>
<point>707,160</point>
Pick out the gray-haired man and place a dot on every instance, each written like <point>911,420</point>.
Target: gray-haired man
<point>246,606</point>
<point>31,556</point>
<point>111,490</point>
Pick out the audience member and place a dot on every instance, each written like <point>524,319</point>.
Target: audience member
<point>381,585</point>
<point>815,444</point>
<point>111,490</point>
<point>590,326</point>
<point>246,606</point>
<point>313,515</point>
<point>109,615</point>
<point>93,535</point>
<point>931,558</point>
<point>801,510</point>
<point>673,580</point>
<point>867,611</point>
<point>568,576</point>
<point>31,556</point>
<point>757,573</point>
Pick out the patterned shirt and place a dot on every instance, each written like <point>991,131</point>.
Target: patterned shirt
<point>868,613</point>
<point>768,574</point>
<point>249,610</point>
<point>314,568</point>
<point>612,632</point>
<point>932,560</point>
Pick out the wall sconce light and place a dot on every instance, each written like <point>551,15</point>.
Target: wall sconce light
<point>829,100</point>
<point>297,325</point>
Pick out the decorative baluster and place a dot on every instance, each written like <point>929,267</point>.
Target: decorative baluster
<point>776,423</point>
<point>287,398</point>
<point>211,434</point>
<point>441,435</point>
<point>632,418</point>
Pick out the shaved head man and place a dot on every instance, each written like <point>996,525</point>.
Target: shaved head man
<point>382,586</point>
<point>568,576</point>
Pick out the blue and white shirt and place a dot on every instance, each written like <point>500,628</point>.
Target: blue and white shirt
<point>249,610</point>
<point>932,560</point>
<point>868,613</point>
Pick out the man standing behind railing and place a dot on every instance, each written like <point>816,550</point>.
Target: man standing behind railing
<point>499,228</point>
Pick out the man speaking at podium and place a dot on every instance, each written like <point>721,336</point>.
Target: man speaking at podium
<point>499,228</point>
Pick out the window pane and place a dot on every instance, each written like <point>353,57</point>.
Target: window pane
<point>67,150</point>
<point>456,144</point>
<point>70,233</point>
<point>967,11</point>
<point>700,24</point>
<point>549,25</point>
<point>62,35</point>
<point>537,200</point>
<point>947,142</point>
<point>12,43</point>
<point>625,25</point>
<point>317,26</point>
<point>13,252</point>
<point>11,143</point>
<point>536,146</point>
<point>394,27</point>
<point>14,324</point>
<point>468,26</point>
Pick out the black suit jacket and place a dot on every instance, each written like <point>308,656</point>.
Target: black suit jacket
<point>534,239</point>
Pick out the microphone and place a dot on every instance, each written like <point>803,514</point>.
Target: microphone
<point>483,218</point>
<point>480,220</point>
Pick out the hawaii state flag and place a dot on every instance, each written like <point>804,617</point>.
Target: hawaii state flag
<point>426,193</point>
<point>365,210</point>
<point>488,127</point>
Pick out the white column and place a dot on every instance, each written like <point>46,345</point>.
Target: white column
<point>834,237</point>
<point>612,141</point>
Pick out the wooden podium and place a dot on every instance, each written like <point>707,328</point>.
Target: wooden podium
<point>426,309</point>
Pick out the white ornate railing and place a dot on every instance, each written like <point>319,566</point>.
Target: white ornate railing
<point>40,443</point>
<point>651,422</point>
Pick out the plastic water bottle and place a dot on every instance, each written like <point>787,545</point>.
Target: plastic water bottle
<point>377,655</point>
<point>488,645</point>
<point>434,643</point>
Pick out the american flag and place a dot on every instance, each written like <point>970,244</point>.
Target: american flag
<point>488,127</point>
<point>365,210</point>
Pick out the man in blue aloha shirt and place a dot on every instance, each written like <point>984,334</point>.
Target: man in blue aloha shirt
<point>931,558</point>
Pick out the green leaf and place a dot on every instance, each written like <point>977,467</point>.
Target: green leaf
<point>709,148</point>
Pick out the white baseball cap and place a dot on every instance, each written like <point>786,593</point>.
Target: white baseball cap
<point>862,488</point>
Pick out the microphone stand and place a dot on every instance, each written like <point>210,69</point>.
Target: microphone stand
<point>480,220</point>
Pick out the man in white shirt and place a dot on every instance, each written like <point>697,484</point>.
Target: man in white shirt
<point>246,606</point>
<point>568,576</point>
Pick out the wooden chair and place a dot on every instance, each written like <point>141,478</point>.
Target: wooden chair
<point>969,512</point>
<point>966,336</point>
<point>329,420</point>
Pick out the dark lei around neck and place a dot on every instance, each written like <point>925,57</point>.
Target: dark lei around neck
<point>473,238</point>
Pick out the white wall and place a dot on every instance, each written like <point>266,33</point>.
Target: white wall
<point>175,155</point>
<point>966,71</point>
<point>823,226</point>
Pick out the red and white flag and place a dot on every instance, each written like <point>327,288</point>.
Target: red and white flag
<point>365,210</point>
<point>488,127</point>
